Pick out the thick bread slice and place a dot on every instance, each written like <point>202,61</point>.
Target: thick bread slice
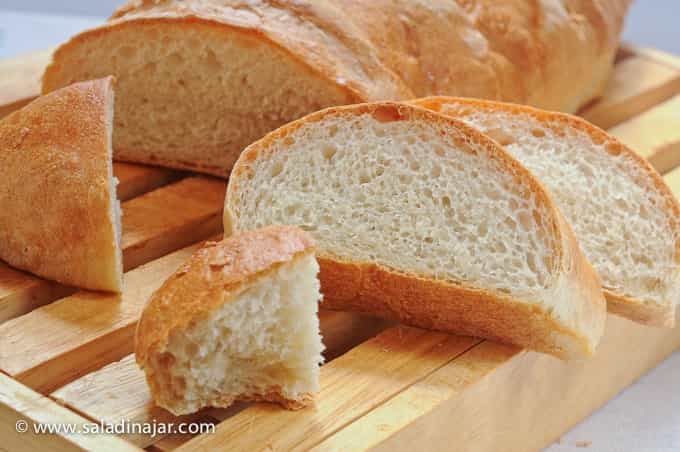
<point>199,80</point>
<point>624,216</point>
<point>237,322</point>
<point>59,217</point>
<point>421,218</point>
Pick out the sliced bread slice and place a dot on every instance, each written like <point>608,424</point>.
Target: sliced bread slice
<point>624,216</point>
<point>423,219</point>
<point>237,322</point>
<point>59,217</point>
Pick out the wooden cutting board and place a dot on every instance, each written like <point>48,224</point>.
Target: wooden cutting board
<point>65,355</point>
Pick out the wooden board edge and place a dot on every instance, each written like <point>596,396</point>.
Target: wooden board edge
<point>500,396</point>
<point>22,408</point>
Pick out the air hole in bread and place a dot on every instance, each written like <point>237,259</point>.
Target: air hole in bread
<point>329,152</point>
<point>276,169</point>
<point>446,202</point>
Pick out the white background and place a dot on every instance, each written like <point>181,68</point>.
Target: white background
<point>645,417</point>
<point>653,23</point>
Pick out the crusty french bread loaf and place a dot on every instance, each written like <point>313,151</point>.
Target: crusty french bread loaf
<point>423,219</point>
<point>198,80</point>
<point>59,217</point>
<point>623,214</point>
<point>236,322</point>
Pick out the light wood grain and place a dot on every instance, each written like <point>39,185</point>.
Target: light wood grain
<point>496,397</point>
<point>637,84</point>
<point>135,180</point>
<point>17,402</point>
<point>115,392</point>
<point>66,339</point>
<point>351,386</point>
<point>655,134</point>
<point>119,390</point>
<point>153,225</point>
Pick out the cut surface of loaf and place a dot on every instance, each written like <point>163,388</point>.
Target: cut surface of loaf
<point>421,218</point>
<point>198,80</point>
<point>59,216</point>
<point>624,216</point>
<point>237,322</point>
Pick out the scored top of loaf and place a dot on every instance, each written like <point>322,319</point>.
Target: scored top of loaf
<point>215,275</point>
<point>554,55</point>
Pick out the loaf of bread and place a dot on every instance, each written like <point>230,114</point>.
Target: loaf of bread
<point>236,322</point>
<point>423,219</point>
<point>199,80</point>
<point>624,216</point>
<point>59,217</point>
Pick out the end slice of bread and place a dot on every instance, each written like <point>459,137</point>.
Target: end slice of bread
<point>423,219</point>
<point>624,216</point>
<point>59,216</point>
<point>237,322</point>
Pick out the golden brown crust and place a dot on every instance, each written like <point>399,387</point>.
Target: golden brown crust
<point>214,275</point>
<point>56,189</point>
<point>453,307</point>
<point>618,303</point>
<point>554,55</point>
<point>273,396</point>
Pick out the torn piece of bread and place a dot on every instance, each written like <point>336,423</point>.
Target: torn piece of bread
<point>59,216</point>
<point>624,216</point>
<point>238,321</point>
<point>199,80</point>
<point>423,219</point>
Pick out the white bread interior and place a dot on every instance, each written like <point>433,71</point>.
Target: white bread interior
<point>623,215</point>
<point>181,91</point>
<point>116,213</point>
<point>421,197</point>
<point>201,79</point>
<point>264,343</point>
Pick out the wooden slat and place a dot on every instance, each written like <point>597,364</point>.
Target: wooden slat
<point>21,292</point>
<point>19,403</point>
<point>655,134</point>
<point>573,389</point>
<point>64,340</point>
<point>167,218</point>
<point>351,385</point>
<point>171,442</point>
<point>154,224</point>
<point>114,392</point>
<point>135,180</point>
<point>637,84</point>
<point>496,397</point>
<point>119,390</point>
